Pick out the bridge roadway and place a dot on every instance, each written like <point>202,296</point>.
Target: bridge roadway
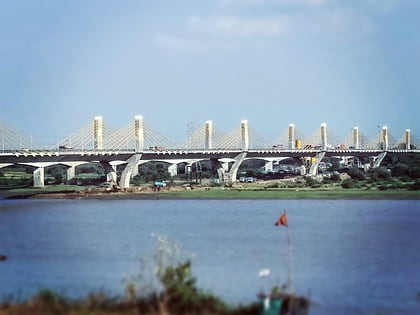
<point>227,172</point>
<point>57,157</point>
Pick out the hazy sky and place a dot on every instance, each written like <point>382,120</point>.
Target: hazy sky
<point>177,62</point>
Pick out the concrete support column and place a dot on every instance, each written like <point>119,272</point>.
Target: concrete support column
<point>71,172</point>
<point>71,169</point>
<point>132,164</point>
<point>291,136</point>
<point>245,135</point>
<point>324,136</point>
<point>208,140</point>
<point>407,139</point>
<point>39,177</point>
<point>378,160</point>
<point>313,171</point>
<point>356,137</point>
<point>173,169</point>
<point>223,170</point>
<point>235,166</point>
<point>268,167</point>
<point>111,171</point>
<point>98,133</point>
<point>385,138</point>
<point>139,132</point>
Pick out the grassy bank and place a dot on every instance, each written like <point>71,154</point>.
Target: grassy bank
<point>302,193</point>
<point>249,192</point>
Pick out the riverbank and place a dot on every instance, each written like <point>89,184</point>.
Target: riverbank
<point>76,192</point>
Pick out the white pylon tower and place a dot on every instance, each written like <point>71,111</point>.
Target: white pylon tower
<point>323,136</point>
<point>98,133</point>
<point>356,138</point>
<point>385,137</point>
<point>208,142</point>
<point>291,136</point>
<point>407,138</point>
<point>245,135</point>
<point>139,132</point>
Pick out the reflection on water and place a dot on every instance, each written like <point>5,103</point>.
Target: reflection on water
<point>352,257</point>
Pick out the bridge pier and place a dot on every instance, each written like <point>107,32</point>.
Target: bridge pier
<point>173,169</point>
<point>39,172</point>
<point>132,164</point>
<point>378,159</point>
<point>110,171</point>
<point>227,175</point>
<point>71,169</point>
<point>268,167</point>
<point>313,171</point>
<point>39,177</point>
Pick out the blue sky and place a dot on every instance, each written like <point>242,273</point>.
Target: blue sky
<point>177,63</point>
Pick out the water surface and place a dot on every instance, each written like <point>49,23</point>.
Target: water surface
<point>350,256</point>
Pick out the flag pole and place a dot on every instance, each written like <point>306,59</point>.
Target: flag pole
<point>282,220</point>
<point>290,273</point>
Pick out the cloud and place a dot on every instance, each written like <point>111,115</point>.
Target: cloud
<point>342,24</point>
<point>234,26</point>
<point>177,43</point>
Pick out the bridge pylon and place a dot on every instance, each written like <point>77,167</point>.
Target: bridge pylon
<point>98,133</point>
<point>324,141</point>
<point>407,139</point>
<point>208,135</point>
<point>139,132</point>
<point>356,138</point>
<point>291,136</point>
<point>245,135</point>
<point>385,138</point>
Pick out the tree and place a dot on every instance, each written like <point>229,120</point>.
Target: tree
<point>379,173</point>
<point>355,174</point>
<point>399,170</point>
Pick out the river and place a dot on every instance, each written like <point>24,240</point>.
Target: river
<point>349,256</point>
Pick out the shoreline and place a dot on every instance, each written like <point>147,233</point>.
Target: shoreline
<point>230,193</point>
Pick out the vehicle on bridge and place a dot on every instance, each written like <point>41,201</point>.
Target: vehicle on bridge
<point>65,147</point>
<point>156,148</point>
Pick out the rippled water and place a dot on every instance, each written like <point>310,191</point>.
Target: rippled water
<point>350,256</point>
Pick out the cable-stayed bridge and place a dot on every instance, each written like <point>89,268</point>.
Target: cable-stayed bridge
<point>138,142</point>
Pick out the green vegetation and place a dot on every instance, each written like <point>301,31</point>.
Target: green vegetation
<point>399,174</point>
<point>165,285</point>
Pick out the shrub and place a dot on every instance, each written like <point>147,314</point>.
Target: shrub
<point>379,173</point>
<point>348,183</point>
<point>399,170</point>
<point>415,186</point>
<point>355,174</point>
<point>383,187</point>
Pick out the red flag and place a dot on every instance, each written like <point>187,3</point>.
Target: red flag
<point>282,220</point>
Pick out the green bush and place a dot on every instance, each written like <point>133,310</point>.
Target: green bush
<point>355,174</point>
<point>379,173</point>
<point>348,183</point>
<point>415,186</point>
